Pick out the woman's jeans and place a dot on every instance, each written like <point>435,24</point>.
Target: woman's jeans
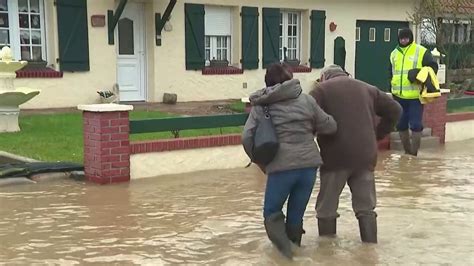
<point>295,185</point>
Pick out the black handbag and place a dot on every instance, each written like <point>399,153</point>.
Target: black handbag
<point>265,139</point>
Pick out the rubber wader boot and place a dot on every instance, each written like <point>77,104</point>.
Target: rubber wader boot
<point>276,231</point>
<point>368,228</point>
<point>415,142</point>
<point>295,233</point>
<point>327,227</point>
<point>405,138</point>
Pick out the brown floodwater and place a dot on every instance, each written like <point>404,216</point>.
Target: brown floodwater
<point>425,208</point>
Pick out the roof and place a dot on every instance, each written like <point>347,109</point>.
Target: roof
<point>458,6</point>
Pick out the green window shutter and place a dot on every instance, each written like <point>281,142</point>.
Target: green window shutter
<point>249,37</point>
<point>318,19</point>
<point>73,36</point>
<point>271,36</point>
<point>194,35</point>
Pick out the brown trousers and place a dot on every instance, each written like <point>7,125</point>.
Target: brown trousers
<point>362,185</point>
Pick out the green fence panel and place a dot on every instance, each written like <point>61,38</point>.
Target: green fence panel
<point>183,123</point>
<point>460,103</point>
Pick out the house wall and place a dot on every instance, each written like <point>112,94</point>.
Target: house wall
<point>166,64</point>
<point>80,87</point>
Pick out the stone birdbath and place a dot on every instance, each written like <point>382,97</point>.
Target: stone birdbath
<point>11,97</point>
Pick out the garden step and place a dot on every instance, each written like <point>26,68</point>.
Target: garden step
<point>426,133</point>
<point>426,143</point>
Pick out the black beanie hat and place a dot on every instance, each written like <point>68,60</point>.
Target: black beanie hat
<point>405,33</point>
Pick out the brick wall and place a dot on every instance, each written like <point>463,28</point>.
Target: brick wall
<point>106,146</point>
<point>434,117</point>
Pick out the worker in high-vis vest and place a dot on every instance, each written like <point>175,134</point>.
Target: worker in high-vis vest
<point>405,57</point>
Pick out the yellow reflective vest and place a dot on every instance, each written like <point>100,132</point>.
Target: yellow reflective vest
<point>404,59</point>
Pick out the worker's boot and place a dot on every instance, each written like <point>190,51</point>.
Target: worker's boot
<point>405,138</point>
<point>415,142</point>
<point>276,231</point>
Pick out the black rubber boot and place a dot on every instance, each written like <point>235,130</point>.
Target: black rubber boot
<point>327,227</point>
<point>368,228</point>
<point>276,231</point>
<point>295,233</point>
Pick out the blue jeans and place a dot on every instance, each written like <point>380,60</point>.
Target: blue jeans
<point>296,186</point>
<point>412,115</point>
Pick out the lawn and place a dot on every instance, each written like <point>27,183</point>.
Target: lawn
<point>58,137</point>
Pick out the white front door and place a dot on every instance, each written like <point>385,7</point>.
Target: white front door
<point>131,53</point>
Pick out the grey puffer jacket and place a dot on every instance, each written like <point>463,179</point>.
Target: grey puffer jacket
<point>297,118</point>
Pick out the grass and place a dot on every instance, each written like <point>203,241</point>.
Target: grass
<point>58,137</point>
<point>238,107</point>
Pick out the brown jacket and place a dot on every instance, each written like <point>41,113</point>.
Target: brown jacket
<point>355,105</point>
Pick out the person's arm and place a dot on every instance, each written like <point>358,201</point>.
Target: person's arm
<point>389,112</point>
<point>429,61</point>
<point>323,123</point>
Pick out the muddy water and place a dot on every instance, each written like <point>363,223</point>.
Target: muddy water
<point>425,207</point>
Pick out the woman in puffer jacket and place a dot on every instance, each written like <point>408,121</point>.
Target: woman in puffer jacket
<point>292,173</point>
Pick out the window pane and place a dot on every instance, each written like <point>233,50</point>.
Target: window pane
<point>23,5</point>
<point>208,54</point>
<point>3,5</point>
<point>25,37</point>
<point>34,6</point>
<point>126,37</point>
<point>4,37</point>
<point>36,53</point>
<point>35,37</point>
<point>219,57</point>
<point>386,35</point>
<point>208,41</point>
<point>4,20</point>
<point>24,21</point>
<point>372,35</point>
<point>25,53</point>
<point>35,21</point>
<point>219,42</point>
<point>224,54</point>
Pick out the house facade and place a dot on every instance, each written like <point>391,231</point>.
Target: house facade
<point>200,50</point>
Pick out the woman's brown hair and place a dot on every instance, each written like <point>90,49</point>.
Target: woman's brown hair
<point>277,73</point>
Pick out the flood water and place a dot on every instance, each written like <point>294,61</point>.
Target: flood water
<point>425,208</point>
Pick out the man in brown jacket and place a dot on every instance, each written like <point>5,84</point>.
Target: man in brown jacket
<point>350,155</point>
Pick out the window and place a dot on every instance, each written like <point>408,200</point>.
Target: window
<point>289,46</point>
<point>217,31</point>
<point>22,28</point>
<point>357,34</point>
<point>372,35</point>
<point>386,35</point>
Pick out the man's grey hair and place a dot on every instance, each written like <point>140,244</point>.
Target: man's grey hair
<point>327,71</point>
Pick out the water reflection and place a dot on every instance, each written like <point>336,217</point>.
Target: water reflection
<point>424,205</point>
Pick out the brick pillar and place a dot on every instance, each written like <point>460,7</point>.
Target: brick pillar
<point>434,116</point>
<point>106,142</point>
